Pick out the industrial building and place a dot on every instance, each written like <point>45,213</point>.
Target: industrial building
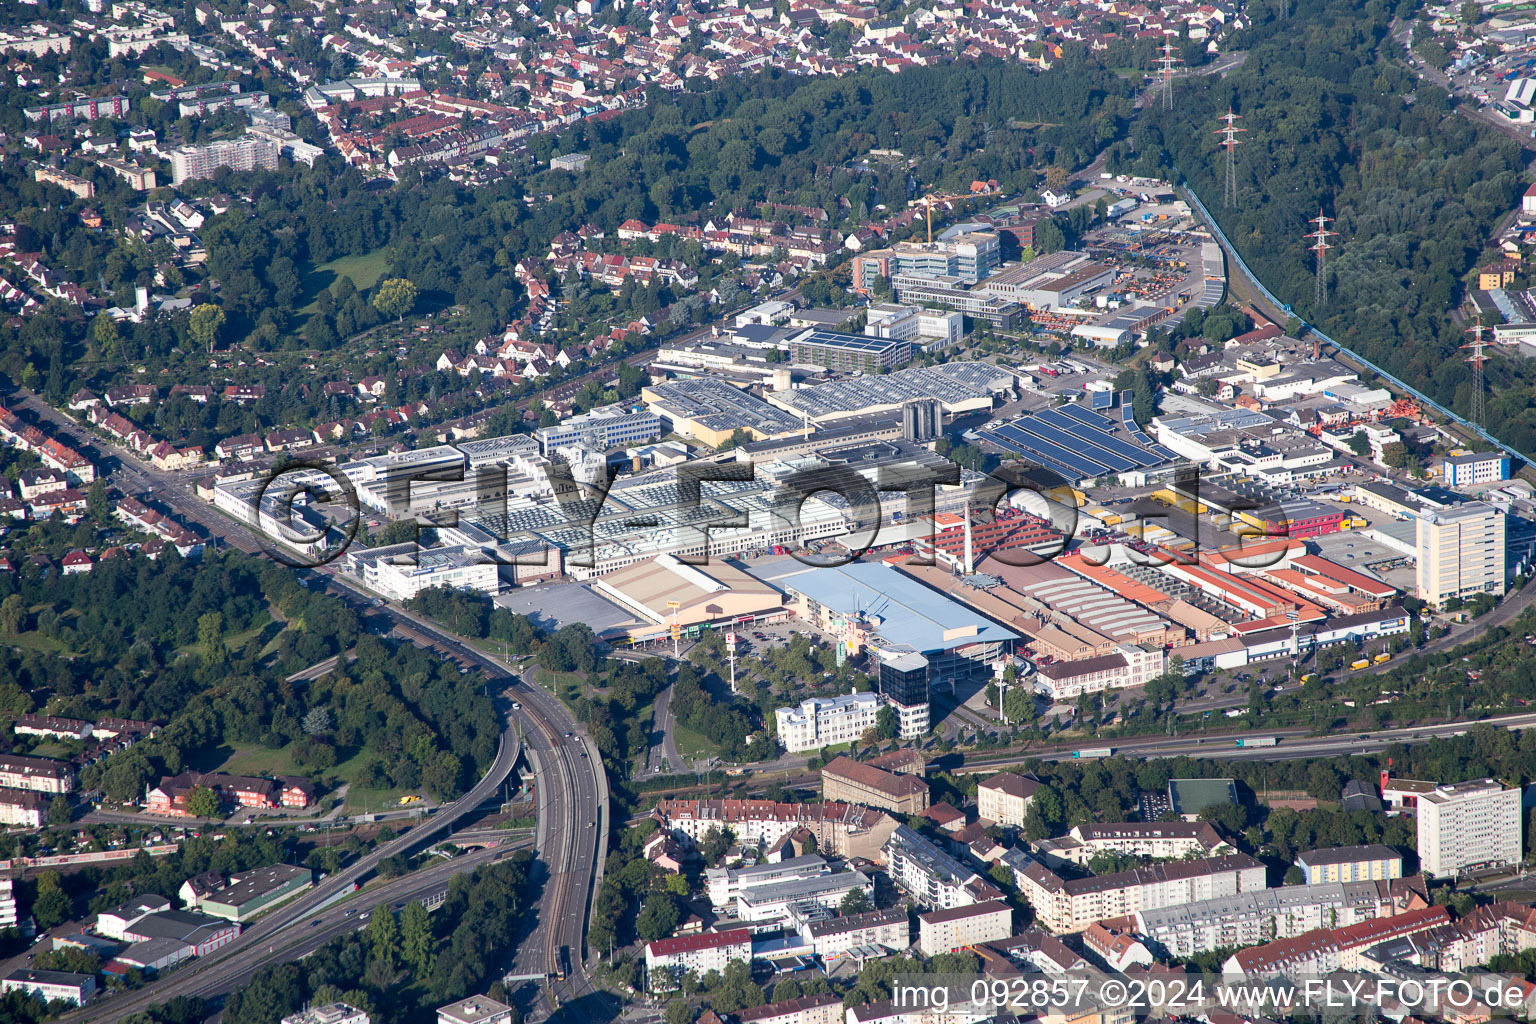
<point>1053,281</point>
<point>607,426</point>
<point>958,387</point>
<point>713,593</point>
<point>712,411</point>
<point>869,604</point>
<point>1081,443</point>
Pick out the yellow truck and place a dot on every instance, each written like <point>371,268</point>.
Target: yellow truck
<point>1382,658</point>
<point>1358,665</point>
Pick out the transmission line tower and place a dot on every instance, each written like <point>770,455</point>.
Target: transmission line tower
<point>1168,60</point>
<point>1320,246</point>
<point>1477,359</point>
<point>1230,142</point>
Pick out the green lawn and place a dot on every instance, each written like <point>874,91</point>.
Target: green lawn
<point>364,269</point>
<point>691,744</point>
<point>263,762</point>
<point>566,685</point>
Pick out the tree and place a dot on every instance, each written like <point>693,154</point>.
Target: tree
<point>887,725</point>
<point>416,937</point>
<point>714,844</point>
<point>96,503</point>
<point>1359,443</point>
<point>1295,876</point>
<point>678,1012</point>
<point>104,332</point>
<point>395,296</point>
<point>204,324</point>
<point>13,611</point>
<point>210,634</point>
<point>658,917</point>
<point>855,902</point>
<point>1019,706</point>
<point>59,813</point>
<point>203,802</point>
<point>317,722</point>
<point>1394,455</point>
<point>383,936</point>
<point>51,907</point>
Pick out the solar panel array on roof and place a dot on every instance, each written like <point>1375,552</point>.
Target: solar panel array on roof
<point>1079,442</point>
<point>1128,421</point>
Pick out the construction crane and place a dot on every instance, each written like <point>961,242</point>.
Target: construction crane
<point>944,197</point>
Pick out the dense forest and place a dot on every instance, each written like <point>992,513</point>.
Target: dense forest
<point>206,647</point>
<point>1336,121</point>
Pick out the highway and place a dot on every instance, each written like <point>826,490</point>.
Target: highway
<point>570,793</point>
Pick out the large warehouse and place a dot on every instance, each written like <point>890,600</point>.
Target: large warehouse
<point>717,593</point>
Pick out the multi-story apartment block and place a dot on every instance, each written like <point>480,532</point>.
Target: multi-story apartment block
<point>1004,798</point>
<point>247,153</point>
<point>1159,840</point>
<point>831,937</point>
<point>1467,824</point>
<point>840,830</point>
<point>930,876</point>
<point>945,931</point>
<point>1249,918</point>
<point>1070,905</point>
<point>1461,552</point>
<point>1351,864</point>
<point>40,774</point>
<point>823,1009</point>
<point>709,951</point>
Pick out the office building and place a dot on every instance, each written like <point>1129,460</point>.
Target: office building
<point>1004,799</point>
<point>1469,824</point>
<point>1051,281</point>
<point>330,1013</point>
<point>772,902</point>
<point>50,985</point>
<point>608,426</point>
<point>823,721</point>
<point>904,682</point>
<point>858,783</point>
<point>1474,468</point>
<point>1461,551</point>
<point>725,884</point>
<point>1351,864</point>
<point>950,292</point>
<point>247,153</point>
<point>850,353</point>
<point>946,931</point>
<point>709,951</point>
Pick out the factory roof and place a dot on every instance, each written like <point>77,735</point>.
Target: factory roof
<point>910,616</point>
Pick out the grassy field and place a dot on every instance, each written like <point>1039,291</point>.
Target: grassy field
<point>264,762</point>
<point>691,744</point>
<point>566,685</point>
<point>364,269</point>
